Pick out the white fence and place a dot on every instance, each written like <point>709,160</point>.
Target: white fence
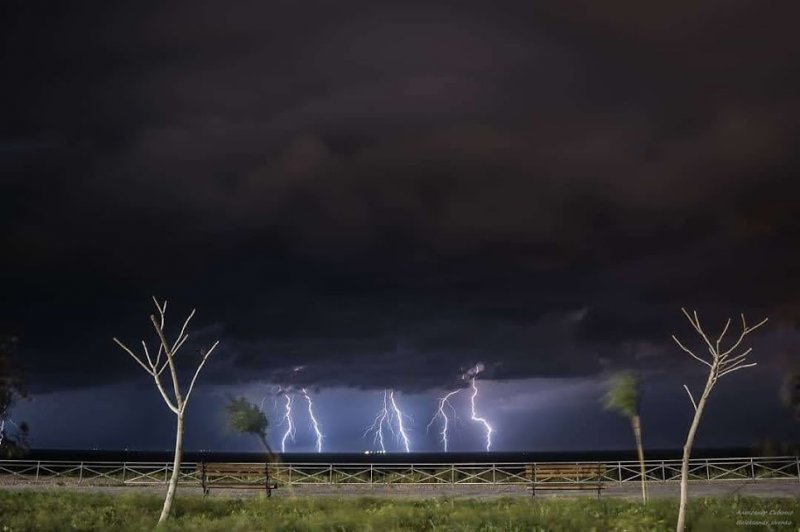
<point>132,473</point>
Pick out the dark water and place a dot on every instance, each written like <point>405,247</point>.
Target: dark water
<point>420,458</point>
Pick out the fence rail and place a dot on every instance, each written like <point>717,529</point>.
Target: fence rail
<point>295,474</point>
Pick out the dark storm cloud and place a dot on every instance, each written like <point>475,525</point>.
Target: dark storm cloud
<point>398,192</point>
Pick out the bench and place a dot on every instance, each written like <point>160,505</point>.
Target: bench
<point>239,476</point>
<point>545,477</point>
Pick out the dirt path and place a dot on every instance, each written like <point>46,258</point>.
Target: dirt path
<point>725,488</point>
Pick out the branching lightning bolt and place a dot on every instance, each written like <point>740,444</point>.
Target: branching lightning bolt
<point>287,418</point>
<point>401,429</point>
<point>388,415</point>
<point>440,413</point>
<point>475,416</point>
<point>377,424</point>
<point>314,422</point>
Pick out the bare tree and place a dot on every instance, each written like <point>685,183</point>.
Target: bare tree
<point>720,363</point>
<point>155,366</point>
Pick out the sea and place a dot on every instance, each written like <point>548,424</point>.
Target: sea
<point>126,455</point>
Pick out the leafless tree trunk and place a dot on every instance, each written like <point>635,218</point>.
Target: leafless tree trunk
<point>176,468</point>
<point>155,366</point>
<point>720,364</point>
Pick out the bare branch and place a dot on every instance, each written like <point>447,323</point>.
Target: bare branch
<point>689,351</point>
<point>147,354</point>
<point>158,355</point>
<point>166,397</point>
<point>737,358</point>
<point>722,335</point>
<point>711,350</point>
<point>166,363</point>
<point>183,330</point>
<point>180,344</point>
<point>179,341</point>
<point>136,358</point>
<point>739,341</point>
<point>691,319</point>
<point>759,324</point>
<point>745,331</point>
<point>160,333</point>
<point>162,308</point>
<point>694,404</point>
<point>163,367</point>
<point>696,324</point>
<point>173,372</point>
<point>162,311</point>
<point>740,366</point>
<point>733,348</point>
<point>196,373</point>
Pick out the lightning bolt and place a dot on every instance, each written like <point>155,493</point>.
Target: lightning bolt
<point>3,427</point>
<point>287,418</point>
<point>441,414</point>
<point>401,429</point>
<point>377,424</point>
<point>314,423</point>
<point>475,416</point>
<point>388,415</point>
<point>274,392</point>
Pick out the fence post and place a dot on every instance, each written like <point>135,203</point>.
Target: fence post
<point>37,470</point>
<point>80,473</point>
<point>330,474</point>
<point>371,466</point>
<point>752,469</point>
<point>798,469</point>
<point>124,468</point>
<point>452,473</point>
<point>708,471</point>
<point>663,471</point>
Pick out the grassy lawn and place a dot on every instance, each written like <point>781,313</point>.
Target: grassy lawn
<point>81,511</point>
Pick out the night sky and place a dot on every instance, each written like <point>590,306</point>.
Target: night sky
<point>387,194</point>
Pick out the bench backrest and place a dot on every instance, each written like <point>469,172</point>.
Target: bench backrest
<point>566,471</point>
<point>240,469</point>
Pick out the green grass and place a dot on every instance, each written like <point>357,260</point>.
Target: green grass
<point>65,510</point>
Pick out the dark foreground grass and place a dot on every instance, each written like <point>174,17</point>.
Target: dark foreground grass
<point>29,510</point>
